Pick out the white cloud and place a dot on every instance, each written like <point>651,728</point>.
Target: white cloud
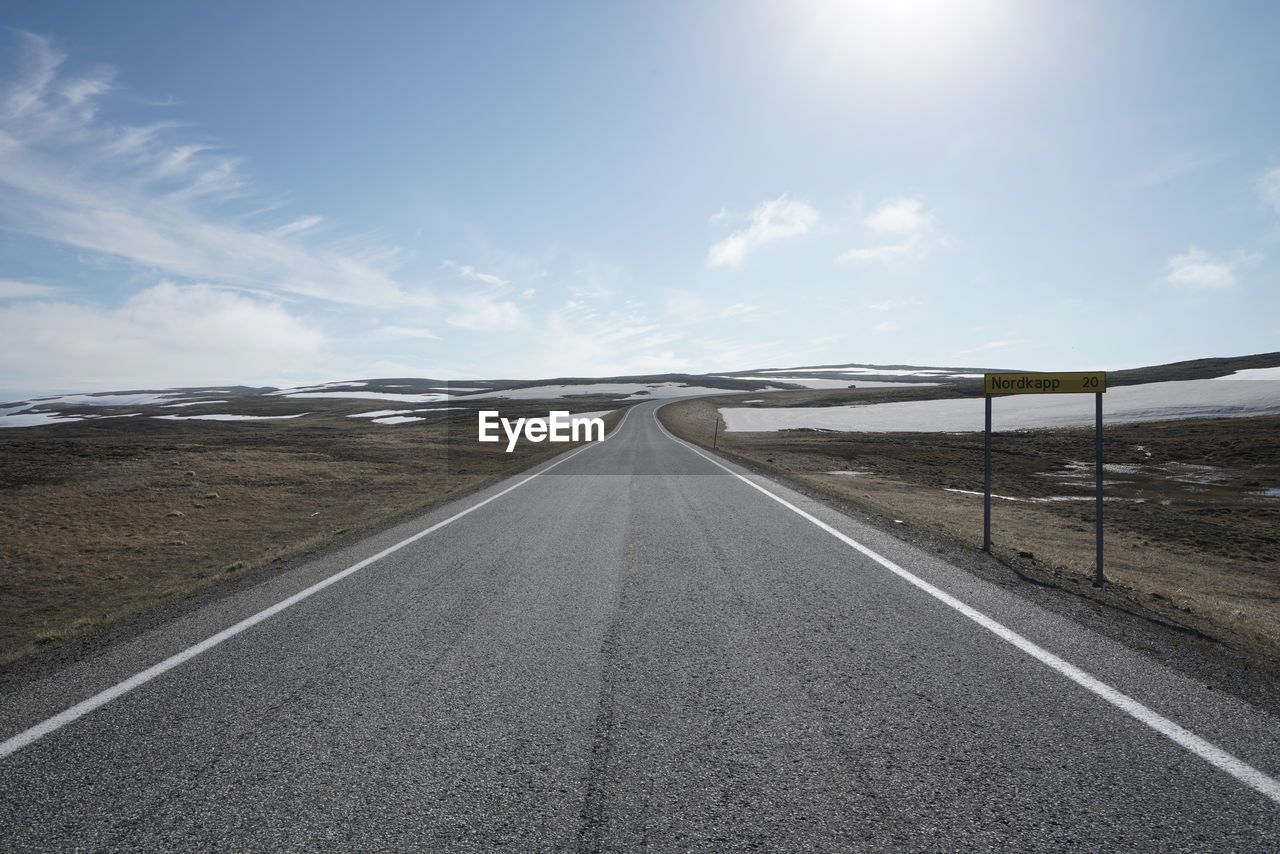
<point>1196,268</point>
<point>581,337</point>
<point>396,332</point>
<point>910,229</point>
<point>886,326</point>
<point>1172,167</point>
<point>484,309</point>
<point>297,226</point>
<point>900,216</point>
<point>990,345</point>
<point>887,254</point>
<point>129,193</point>
<point>162,336</point>
<point>686,306</point>
<point>393,368</point>
<point>774,220</point>
<point>10,289</point>
<point>1269,188</point>
<point>893,304</point>
<point>485,313</point>
<point>466,271</point>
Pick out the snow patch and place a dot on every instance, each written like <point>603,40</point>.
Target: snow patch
<point>371,395</point>
<point>635,391</point>
<point>975,492</point>
<point>36,419</point>
<point>380,413</point>
<point>225,417</point>
<point>939,373</point>
<point>387,413</point>
<point>1167,401</point>
<point>290,392</point>
<point>397,419</point>
<point>1253,374</point>
<point>824,382</point>
<point>108,399</point>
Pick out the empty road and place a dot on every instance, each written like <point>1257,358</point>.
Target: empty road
<point>633,649</point>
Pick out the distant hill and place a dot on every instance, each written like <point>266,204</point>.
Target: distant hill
<point>395,398</point>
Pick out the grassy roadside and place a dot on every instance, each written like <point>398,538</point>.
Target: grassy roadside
<point>1192,538</point>
<point>103,521</point>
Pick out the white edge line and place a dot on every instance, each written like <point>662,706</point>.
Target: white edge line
<point>1253,778</point>
<point>84,707</point>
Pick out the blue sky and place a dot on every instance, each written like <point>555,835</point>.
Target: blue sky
<point>277,193</point>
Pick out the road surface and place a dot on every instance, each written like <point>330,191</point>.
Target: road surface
<point>634,649</point>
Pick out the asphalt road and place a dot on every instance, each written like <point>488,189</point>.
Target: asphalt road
<point>635,650</point>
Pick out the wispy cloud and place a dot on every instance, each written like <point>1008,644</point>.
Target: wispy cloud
<point>1198,269</point>
<point>302,224</point>
<point>613,342</point>
<point>905,229</point>
<point>137,194</point>
<point>990,345</point>
<point>482,309</point>
<point>10,289</point>
<point>893,304</point>
<point>886,326</point>
<point>466,271</point>
<point>1269,188</point>
<point>687,307</point>
<point>164,335</point>
<point>900,217</point>
<point>1172,167</point>
<point>771,221</point>
<point>402,332</point>
<point>485,313</point>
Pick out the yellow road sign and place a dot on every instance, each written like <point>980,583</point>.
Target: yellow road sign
<point>1070,383</point>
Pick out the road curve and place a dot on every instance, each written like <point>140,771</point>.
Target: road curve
<point>635,649</point>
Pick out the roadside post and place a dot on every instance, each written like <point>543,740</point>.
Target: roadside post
<point>1094,383</point>
<point>986,481</point>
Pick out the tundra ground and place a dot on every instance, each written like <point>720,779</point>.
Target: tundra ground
<point>102,520</point>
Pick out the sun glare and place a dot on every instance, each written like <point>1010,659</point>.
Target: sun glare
<point>907,40</point>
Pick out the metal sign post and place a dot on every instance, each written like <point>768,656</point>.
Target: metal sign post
<point>1098,577</point>
<point>1094,383</point>
<point>986,489</point>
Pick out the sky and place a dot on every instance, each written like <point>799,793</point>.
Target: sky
<point>292,192</point>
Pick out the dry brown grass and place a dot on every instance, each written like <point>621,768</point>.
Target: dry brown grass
<point>1205,555</point>
<point>102,520</point>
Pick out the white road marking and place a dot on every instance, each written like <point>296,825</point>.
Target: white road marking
<point>100,699</point>
<point>1253,778</point>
